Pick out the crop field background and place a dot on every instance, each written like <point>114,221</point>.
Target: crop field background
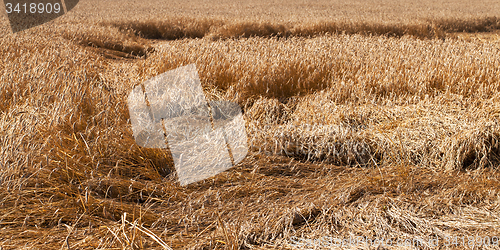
<point>378,119</point>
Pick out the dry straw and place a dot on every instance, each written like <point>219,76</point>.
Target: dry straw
<point>360,128</point>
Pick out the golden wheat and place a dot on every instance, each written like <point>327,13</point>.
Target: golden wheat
<point>365,119</point>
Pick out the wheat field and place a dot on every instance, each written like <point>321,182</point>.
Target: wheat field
<point>374,119</point>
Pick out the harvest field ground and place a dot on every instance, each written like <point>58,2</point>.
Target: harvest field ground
<point>378,119</point>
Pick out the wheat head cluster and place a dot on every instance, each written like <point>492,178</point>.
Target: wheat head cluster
<point>377,119</point>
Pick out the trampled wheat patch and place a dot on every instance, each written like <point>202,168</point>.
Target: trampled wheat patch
<point>360,124</point>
